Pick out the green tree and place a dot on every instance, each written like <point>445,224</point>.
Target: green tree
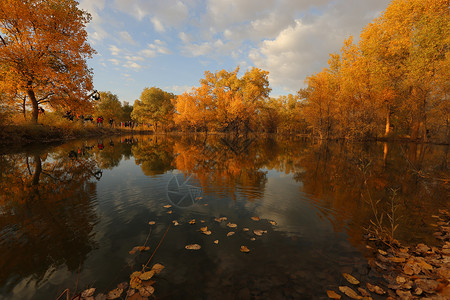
<point>109,106</point>
<point>154,106</point>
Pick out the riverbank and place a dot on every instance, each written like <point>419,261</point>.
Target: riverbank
<point>39,133</point>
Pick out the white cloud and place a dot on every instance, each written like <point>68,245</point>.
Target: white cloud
<point>114,61</point>
<point>178,89</point>
<point>158,25</point>
<point>115,50</point>
<point>125,36</point>
<point>132,65</point>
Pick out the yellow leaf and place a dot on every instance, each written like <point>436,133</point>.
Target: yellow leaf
<point>157,268</point>
<point>231,225</point>
<point>193,247</point>
<point>147,275</point>
<point>333,295</point>
<point>230,233</point>
<point>244,249</point>
<point>256,218</point>
<point>350,278</point>
<point>349,292</point>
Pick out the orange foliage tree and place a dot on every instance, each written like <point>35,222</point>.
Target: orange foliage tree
<point>224,102</point>
<point>43,52</point>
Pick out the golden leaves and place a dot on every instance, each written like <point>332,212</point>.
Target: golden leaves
<point>350,278</point>
<point>193,247</point>
<point>244,249</point>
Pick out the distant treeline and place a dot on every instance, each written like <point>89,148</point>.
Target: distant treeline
<point>393,83</point>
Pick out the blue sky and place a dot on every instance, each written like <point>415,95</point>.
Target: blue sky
<point>170,44</point>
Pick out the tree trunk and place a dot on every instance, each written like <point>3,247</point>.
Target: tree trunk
<point>37,170</point>
<point>388,122</point>
<point>34,103</point>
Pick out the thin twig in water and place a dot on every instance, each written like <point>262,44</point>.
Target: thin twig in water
<point>162,239</point>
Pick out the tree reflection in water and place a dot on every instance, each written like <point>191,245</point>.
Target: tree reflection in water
<point>47,214</point>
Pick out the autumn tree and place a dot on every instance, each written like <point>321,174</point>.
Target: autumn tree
<point>407,47</point>
<point>109,106</point>
<point>154,106</point>
<point>43,52</point>
<point>225,102</point>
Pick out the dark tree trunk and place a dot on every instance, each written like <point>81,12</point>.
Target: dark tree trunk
<point>34,104</point>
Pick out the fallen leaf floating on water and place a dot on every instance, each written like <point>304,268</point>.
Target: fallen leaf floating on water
<point>375,289</point>
<point>192,222</point>
<point>245,229</point>
<point>256,219</point>
<point>245,249</point>
<point>273,223</point>
<point>169,212</point>
<point>203,229</point>
<point>122,285</point>
<point>193,247</point>
<point>135,283</point>
<point>349,292</point>
<point>259,232</point>
<point>231,225</point>
<point>216,242</point>
<point>88,293</point>
<point>207,232</point>
<point>135,274</point>
<point>382,252</point>
<point>167,206</point>
<point>350,278</point>
<point>230,233</point>
<point>333,295</point>
<point>175,223</point>
<point>147,275</point>
<point>221,219</point>
<point>130,293</point>
<point>252,239</point>
<point>364,292</point>
<point>139,249</point>
<point>114,294</point>
<point>152,223</point>
<point>202,221</point>
<point>146,291</point>
<point>157,268</point>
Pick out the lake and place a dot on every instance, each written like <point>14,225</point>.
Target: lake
<point>70,214</point>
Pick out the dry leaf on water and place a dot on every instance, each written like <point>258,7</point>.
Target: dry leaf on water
<point>202,221</point>
<point>259,232</point>
<point>256,219</point>
<point>146,291</point>
<point>273,223</point>
<point>139,249</point>
<point>147,275</point>
<point>333,295</point>
<point>169,212</point>
<point>193,247</point>
<point>135,282</point>
<point>220,219</point>
<point>252,239</point>
<point>231,225</point>
<point>245,249</point>
<point>245,229</point>
<point>114,294</point>
<point>382,252</point>
<point>152,223</point>
<point>175,223</point>
<point>167,206</point>
<point>123,285</point>
<point>157,268</point>
<point>216,242</point>
<point>350,278</point>
<point>88,293</point>
<point>203,229</point>
<point>349,292</point>
<point>207,232</point>
<point>375,289</point>
<point>364,292</point>
<point>192,222</point>
<point>230,233</point>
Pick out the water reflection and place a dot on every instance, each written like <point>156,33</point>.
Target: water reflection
<point>47,215</point>
<point>86,203</point>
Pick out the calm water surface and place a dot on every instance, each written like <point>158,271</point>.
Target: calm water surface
<point>76,210</point>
